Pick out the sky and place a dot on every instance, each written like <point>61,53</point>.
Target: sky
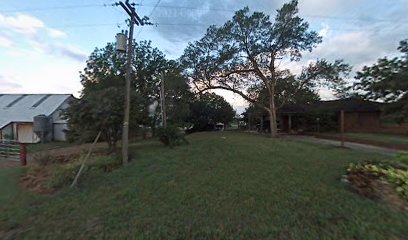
<point>44,44</point>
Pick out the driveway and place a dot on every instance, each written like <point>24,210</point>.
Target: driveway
<point>352,145</point>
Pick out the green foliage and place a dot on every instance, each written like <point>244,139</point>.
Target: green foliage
<point>105,163</point>
<point>101,107</point>
<point>63,175</point>
<point>178,95</point>
<point>244,54</point>
<point>402,157</point>
<point>397,177</point>
<point>387,80</point>
<point>321,121</point>
<point>208,109</point>
<point>171,136</point>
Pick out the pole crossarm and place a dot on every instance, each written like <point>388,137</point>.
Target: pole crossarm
<point>130,10</point>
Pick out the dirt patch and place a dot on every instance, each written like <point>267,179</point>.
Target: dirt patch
<point>51,170</point>
<point>74,150</point>
<point>36,177</point>
<point>371,186</point>
<point>36,180</point>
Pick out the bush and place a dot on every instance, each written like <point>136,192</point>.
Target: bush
<point>402,158</point>
<point>171,136</point>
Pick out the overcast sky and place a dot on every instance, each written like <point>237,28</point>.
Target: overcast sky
<point>45,43</point>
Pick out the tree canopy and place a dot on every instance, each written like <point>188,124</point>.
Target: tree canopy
<point>387,80</point>
<point>209,109</point>
<point>244,55</point>
<point>100,107</point>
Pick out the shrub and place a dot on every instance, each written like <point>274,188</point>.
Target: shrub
<point>402,158</point>
<point>171,136</point>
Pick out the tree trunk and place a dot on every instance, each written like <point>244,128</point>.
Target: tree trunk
<point>272,116</point>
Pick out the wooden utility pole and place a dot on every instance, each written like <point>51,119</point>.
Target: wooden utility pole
<point>342,127</point>
<point>163,101</point>
<point>134,19</point>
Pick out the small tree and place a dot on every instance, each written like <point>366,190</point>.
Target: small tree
<point>100,107</point>
<point>245,52</point>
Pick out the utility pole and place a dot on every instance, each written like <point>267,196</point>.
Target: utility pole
<point>163,101</point>
<point>134,19</point>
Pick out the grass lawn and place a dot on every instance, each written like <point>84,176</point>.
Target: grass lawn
<point>8,184</point>
<point>223,185</point>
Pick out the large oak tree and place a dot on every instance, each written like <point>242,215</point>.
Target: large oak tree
<point>245,54</point>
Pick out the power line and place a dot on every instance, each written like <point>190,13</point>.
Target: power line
<point>154,8</point>
<point>88,25</point>
<point>191,8</point>
<point>151,13</point>
<point>384,28</point>
<point>53,8</point>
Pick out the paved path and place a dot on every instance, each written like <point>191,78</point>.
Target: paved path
<point>352,145</point>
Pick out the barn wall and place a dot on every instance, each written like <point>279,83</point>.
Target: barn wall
<point>59,131</point>
<point>59,124</point>
<point>25,133</point>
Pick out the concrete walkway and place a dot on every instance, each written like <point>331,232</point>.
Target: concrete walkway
<point>352,145</point>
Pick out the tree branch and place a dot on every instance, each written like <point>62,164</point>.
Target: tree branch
<point>236,71</point>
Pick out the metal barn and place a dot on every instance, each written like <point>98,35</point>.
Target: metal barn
<point>18,111</point>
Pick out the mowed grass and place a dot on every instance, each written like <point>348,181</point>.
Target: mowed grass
<point>8,184</point>
<point>223,185</point>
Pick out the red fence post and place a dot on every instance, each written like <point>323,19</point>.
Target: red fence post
<point>23,154</point>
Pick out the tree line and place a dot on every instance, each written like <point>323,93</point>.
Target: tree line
<point>243,56</point>
<point>101,104</point>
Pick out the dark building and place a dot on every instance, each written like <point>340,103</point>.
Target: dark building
<point>359,115</point>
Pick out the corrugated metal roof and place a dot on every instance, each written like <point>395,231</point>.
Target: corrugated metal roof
<point>23,107</point>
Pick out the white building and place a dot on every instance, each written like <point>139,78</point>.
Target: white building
<point>17,112</point>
